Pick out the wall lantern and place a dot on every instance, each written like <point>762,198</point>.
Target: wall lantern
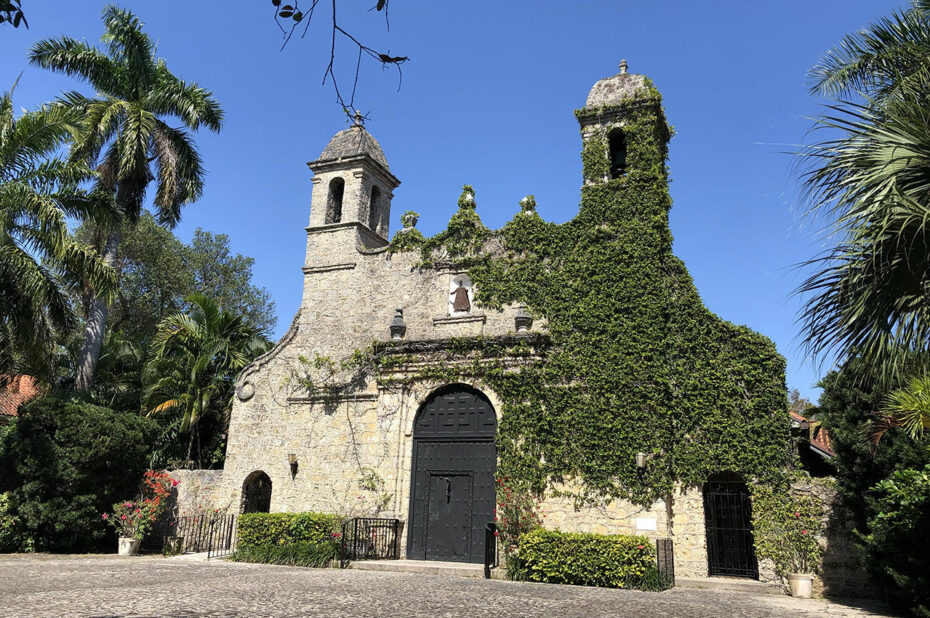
<point>292,461</point>
<point>523,320</point>
<point>642,458</point>
<point>398,327</point>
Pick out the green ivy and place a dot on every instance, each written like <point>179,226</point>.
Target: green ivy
<point>406,239</point>
<point>635,363</point>
<point>786,527</point>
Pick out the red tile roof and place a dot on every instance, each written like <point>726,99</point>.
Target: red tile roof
<point>19,390</point>
<point>817,433</point>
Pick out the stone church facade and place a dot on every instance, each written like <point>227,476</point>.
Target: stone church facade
<point>421,451</point>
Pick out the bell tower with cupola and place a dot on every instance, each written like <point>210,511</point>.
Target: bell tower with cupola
<point>351,200</point>
<point>623,128</point>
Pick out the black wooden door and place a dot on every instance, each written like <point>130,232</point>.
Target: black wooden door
<point>728,519</point>
<point>448,524</point>
<point>452,484</point>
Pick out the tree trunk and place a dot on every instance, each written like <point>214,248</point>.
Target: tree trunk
<point>96,322</point>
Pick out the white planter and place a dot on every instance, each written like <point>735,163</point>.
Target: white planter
<point>129,546</point>
<point>800,584</point>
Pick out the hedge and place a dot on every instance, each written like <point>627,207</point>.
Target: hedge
<point>277,529</point>
<point>305,554</point>
<point>612,561</point>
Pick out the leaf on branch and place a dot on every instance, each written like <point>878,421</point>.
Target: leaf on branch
<point>276,2</point>
<point>381,4</point>
<point>392,59</point>
<point>285,13</point>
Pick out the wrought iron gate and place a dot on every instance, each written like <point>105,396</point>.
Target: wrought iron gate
<point>728,518</point>
<point>369,538</point>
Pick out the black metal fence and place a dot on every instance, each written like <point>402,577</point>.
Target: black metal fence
<point>665,560</point>
<point>369,538</point>
<point>490,548</point>
<point>214,533</point>
<point>223,536</point>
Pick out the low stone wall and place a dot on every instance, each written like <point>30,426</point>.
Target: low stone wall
<point>681,519</point>
<point>197,493</point>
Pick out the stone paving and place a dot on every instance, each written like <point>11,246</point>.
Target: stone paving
<point>44,585</point>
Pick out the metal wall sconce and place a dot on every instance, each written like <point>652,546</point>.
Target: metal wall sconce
<point>523,319</point>
<point>398,327</point>
<point>292,461</point>
<point>641,460</point>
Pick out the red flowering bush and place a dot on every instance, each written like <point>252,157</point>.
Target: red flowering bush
<point>787,526</point>
<point>133,518</point>
<point>515,516</point>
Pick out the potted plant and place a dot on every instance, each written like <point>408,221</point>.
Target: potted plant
<point>133,518</point>
<point>787,527</point>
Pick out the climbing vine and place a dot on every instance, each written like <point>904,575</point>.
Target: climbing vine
<point>634,361</point>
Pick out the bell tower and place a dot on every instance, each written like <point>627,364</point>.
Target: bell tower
<point>352,182</point>
<point>350,205</point>
<point>621,123</point>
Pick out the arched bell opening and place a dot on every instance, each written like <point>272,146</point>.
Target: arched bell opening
<point>617,148</point>
<point>337,188</point>
<point>374,209</point>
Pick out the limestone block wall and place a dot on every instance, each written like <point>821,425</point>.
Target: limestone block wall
<point>682,521</point>
<point>197,491</point>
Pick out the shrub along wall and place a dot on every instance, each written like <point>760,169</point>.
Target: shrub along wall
<point>613,561</point>
<point>278,529</point>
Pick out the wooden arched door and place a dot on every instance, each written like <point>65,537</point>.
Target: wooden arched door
<point>452,482</point>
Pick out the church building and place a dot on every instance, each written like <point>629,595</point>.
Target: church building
<point>367,406</point>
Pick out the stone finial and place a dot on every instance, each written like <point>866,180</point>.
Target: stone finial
<point>398,326</point>
<point>409,219</point>
<point>360,120</point>
<point>623,67</point>
<point>528,205</point>
<point>467,198</point>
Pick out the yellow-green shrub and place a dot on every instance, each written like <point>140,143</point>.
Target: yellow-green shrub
<point>612,561</point>
<point>264,529</point>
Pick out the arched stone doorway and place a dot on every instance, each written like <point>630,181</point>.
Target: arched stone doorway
<point>452,481</point>
<point>256,493</point>
<point>728,523</point>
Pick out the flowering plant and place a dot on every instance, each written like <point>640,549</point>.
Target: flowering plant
<point>133,518</point>
<point>515,516</point>
<point>787,526</point>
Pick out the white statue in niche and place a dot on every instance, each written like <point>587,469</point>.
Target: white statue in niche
<point>461,296</point>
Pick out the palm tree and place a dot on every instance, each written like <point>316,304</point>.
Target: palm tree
<point>194,361</point>
<point>870,294</point>
<point>123,133</point>
<point>879,60</point>
<point>907,408</point>
<point>37,255</point>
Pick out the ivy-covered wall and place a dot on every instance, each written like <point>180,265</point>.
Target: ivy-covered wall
<point>636,362</point>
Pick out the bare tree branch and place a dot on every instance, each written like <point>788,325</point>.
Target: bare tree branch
<point>289,18</point>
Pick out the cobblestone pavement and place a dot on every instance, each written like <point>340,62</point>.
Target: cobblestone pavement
<point>43,585</point>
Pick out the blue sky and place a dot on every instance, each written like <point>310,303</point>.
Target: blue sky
<point>487,100</point>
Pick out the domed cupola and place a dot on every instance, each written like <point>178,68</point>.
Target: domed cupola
<point>616,88</point>
<point>352,182</point>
